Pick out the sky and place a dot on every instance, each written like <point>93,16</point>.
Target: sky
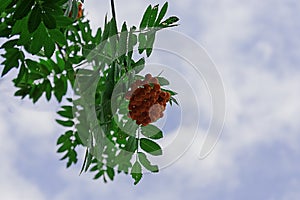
<point>253,45</point>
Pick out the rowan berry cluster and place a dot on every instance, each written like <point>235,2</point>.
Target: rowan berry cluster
<point>147,101</point>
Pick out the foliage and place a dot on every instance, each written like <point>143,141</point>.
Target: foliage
<point>46,42</point>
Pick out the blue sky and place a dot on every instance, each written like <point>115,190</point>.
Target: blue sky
<point>255,47</point>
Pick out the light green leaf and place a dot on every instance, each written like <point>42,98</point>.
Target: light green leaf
<point>146,163</point>
<point>136,172</point>
<point>162,81</point>
<point>151,131</point>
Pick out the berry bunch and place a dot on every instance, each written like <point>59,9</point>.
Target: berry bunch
<point>147,101</point>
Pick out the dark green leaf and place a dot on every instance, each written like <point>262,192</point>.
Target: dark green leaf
<point>60,87</point>
<point>146,163</point>
<point>65,123</point>
<point>4,4</point>
<point>9,44</point>
<point>161,15</point>
<point>49,47</point>
<point>65,146</point>
<point>22,73</point>
<point>170,21</point>
<point>48,89</point>
<point>63,21</point>
<point>66,112</point>
<point>151,131</point>
<point>35,19</point>
<point>35,93</point>
<point>172,99</point>
<point>99,174</point>
<point>38,38</point>
<point>23,92</point>
<point>170,91</point>
<point>23,9</point>
<point>12,57</point>
<point>64,137</point>
<point>111,173</point>
<point>136,172</point>
<point>153,16</point>
<point>58,36</point>
<point>131,144</point>
<point>150,147</point>
<point>49,21</point>
<point>146,17</point>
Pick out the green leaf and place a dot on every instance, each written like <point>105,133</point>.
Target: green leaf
<point>150,42</point>
<point>131,144</point>
<point>66,145</point>
<point>151,131</point>
<point>122,47</point>
<point>153,16</point>
<point>170,91</point>
<point>64,137</point>
<point>110,172</point>
<point>169,22</point>
<point>142,42</point>
<point>23,8</point>
<point>49,21</point>
<point>146,17</point>
<point>66,112</point>
<point>161,14</point>
<point>35,18</point>
<point>49,47</point>
<point>146,163</point>
<point>48,89</point>
<point>136,172</point>
<point>162,81</point>
<point>12,57</point>
<point>172,99</point>
<point>58,36</point>
<point>63,21</point>
<point>9,44</point>
<point>67,123</point>
<point>60,87</point>
<point>139,65</point>
<point>38,38</point>
<point>22,73</point>
<point>151,147</point>
<point>35,93</point>
<point>4,4</point>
